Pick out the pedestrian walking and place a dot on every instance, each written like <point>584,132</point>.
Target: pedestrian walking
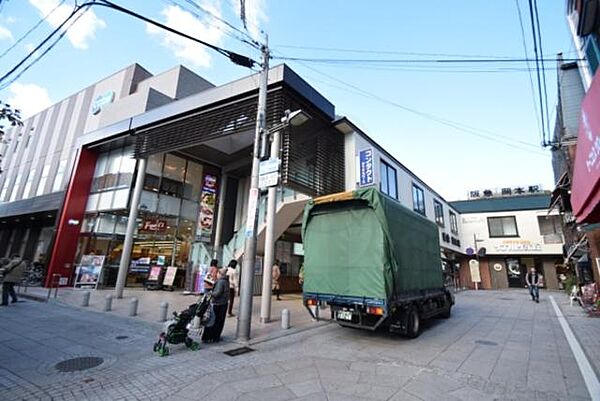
<point>234,283</point>
<point>220,296</point>
<point>13,273</point>
<point>533,280</point>
<point>276,276</point>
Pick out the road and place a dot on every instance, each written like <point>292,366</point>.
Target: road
<point>498,345</point>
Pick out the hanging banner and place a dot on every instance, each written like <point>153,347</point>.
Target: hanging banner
<point>208,200</point>
<point>252,203</point>
<point>89,270</point>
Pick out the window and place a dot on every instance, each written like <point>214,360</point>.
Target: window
<point>388,180</point>
<point>28,184</point>
<point>550,229</point>
<point>418,200</point>
<point>592,51</point>
<point>453,223</point>
<point>43,180</point>
<point>502,226</point>
<point>439,213</point>
<point>4,190</point>
<point>16,185</point>
<point>60,174</point>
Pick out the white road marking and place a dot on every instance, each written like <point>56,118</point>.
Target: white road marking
<point>589,376</point>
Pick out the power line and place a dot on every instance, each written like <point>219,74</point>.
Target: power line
<point>537,116</point>
<point>537,66</point>
<point>457,126</point>
<point>33,28</point>
<point>415,61</point>
<point>539,36</point>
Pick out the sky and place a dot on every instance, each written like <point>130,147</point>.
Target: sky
<point>456,128</point>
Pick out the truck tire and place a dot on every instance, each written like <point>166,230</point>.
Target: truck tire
<point>446,312</point>
<point>413,324</point>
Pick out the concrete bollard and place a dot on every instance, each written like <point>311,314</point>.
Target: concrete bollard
<point>133,306</point>
<point>85,300</point>
<point>164,309</point>
<point>285,319</point>
<point>108,303</point>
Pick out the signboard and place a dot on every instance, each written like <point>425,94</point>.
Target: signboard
<point>154,273</point>
<point>252,202</point>
<point>497,267</point>
<point>474,267</point>
<point>101,100</point>
<point>268,173</point>
<point>208,200</point>
<point>518,246</point>
<point>170,276</point>
<point>585,192</point>
<point>160,260</point>
<point>153,225</point>
<point>89,270</point>
<point>365,160</point>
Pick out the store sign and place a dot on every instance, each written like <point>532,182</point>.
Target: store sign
<point>365,160</point>
<point>268,173</point>
<point>585,192</point>
<point>518,246</point>
<point>208,200</point>
<point>153,225</point>
<point>474,268</point>
<point>101,100</point>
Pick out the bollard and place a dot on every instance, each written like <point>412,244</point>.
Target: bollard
<point>85,301</point>
<point>164,309</point>
<point>133,305</point>
<point>285,319</point>
<point>107,303</point>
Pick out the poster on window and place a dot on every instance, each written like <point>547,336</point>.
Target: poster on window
<point>89,270</point>
<point>206,217</point>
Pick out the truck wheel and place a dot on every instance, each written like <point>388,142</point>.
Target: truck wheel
<point>413,326</point>
<point>446,312</point>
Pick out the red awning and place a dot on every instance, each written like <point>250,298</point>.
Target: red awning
<point>585,196</point>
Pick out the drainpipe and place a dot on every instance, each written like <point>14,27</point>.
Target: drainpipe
<point>131,223</point>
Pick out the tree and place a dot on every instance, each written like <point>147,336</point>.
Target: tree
<point>12,117</point>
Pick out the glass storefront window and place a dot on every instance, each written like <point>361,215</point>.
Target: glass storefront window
<point>148,202</point>
<point>193,181</point>
<point>168,205</point>
<point>106,223</point>
<point>120,199</point>
<point>121,226</point>
<point>154,165</point>
<point>189,210</point>
<point>174,168</point>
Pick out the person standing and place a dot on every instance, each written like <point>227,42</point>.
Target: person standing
<point>533,280</point>
<point>13,273</point>
<point>234,282</point>
<point>211,275</point>
<point>220,296</point>
<point>276,276</point>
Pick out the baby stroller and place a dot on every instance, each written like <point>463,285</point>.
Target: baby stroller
<point>176,331</point>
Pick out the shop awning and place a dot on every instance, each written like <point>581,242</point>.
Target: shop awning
<point>585,196</point>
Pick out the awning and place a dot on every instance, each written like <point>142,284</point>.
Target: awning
<point>585,195</point>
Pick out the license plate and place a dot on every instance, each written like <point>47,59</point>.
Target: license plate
<point>344,315</point>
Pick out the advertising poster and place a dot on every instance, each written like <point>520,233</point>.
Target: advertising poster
<point>208,200</point>
<point>89,270</point>
<point>170,276</point>
<point>154,273</point>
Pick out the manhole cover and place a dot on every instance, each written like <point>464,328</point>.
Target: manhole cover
<point>122,337</point>
<point>485,342</point>
<point>238,351</point>
<point>78,364</point>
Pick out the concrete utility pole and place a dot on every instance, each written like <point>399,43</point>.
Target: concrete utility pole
<point>131,223</point>
<point>247,279</point>
<point>265,303</point>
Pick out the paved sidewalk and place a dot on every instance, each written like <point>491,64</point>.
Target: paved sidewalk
<point>149,306</point>
<point>498,345</point>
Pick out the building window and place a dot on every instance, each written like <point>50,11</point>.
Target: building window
<point>60,174</point>
<point>4,190</point>
<point>418,200</point>
<point>28,184</point>
<point>15,189</point>
<point>43,180</point>
<point>388,180</point>
<point>453,223</point>
<point>502,226</point>
<point>439,213</point>
<point>592,51</point>
<point>551,229</point>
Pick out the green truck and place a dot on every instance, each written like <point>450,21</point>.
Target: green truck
<point>374,262</point>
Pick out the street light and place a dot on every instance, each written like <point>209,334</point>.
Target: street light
<point>294,119</point>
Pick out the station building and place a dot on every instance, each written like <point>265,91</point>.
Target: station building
<point>184,146</point>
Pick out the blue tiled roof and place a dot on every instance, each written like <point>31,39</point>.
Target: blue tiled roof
<point>502,204</point>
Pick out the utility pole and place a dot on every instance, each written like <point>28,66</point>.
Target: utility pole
<point>247,279</point>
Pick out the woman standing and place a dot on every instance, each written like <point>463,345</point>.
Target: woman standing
<point>220,296</point>
<point>276,275</point>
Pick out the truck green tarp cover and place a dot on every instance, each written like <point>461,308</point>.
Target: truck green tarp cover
<point>364,244</point>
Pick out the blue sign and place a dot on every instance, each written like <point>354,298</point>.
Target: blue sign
<point>366,167</point>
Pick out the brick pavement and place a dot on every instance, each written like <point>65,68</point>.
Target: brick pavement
<point>497,345</point>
